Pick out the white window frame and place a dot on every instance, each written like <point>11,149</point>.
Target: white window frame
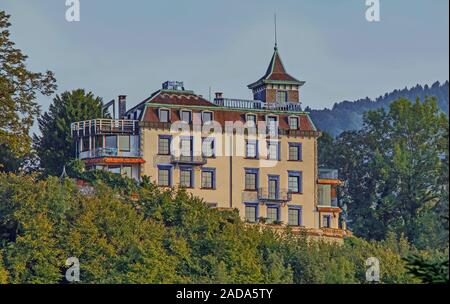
<point>212,116</point>
<point>164,109</point>
<point>181,115</point>
<point>298,122</point>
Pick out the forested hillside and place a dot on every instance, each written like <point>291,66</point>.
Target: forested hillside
<point>348,115</point>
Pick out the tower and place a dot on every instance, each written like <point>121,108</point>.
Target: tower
<point>276,85</point>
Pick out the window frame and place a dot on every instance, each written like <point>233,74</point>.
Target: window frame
<point>300,211</point>
<point>251,205</point>
<point>213,178</point>
<point>277,217</point>
<point>278,144</point>
<point>119,137</point>
<point>191,176</point>
<point>299,176</point>
<point>169,168</point>
<point>168,114</point>
<point>254,171</point>
<point>285,95</point>
<point>251,142</point>
<point>169,138</point>
<point>207,112</point>
<point>298,122</point>
<point>299,151</point>
<point>190,115</point>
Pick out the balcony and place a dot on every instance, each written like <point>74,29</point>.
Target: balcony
<point>328,174</point>
<point>257,105</point>
<point>268,195</point>
<point>196,160</point>
<point>104,126</point>
<point>108,152</point>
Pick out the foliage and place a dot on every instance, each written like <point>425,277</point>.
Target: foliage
<point>18,90</point>
<point>396,173</point>
<point>55,145</point>
<point>162,236</point>
<point>429,269</point>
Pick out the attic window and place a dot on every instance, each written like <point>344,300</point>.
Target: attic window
<point>293,123</point>
<point>164,115</point>
<point>186,116</point>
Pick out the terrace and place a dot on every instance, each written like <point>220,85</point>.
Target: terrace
<point>234,103</point>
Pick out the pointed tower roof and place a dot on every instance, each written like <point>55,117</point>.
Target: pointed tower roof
<point>276,73</point>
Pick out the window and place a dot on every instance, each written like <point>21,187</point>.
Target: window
<point>272,215</point>
<point>186,177</point>
<point>281,96</point>
<point>272,150</point>
<point>164,145</point>
<point>124,143</point>
<point>126,171</point>
<point>164,176</point>
<point>164,115</point>
<point>294,182</point>
<point>99,141</point>
<point>207,117</point>
<point>294,216</point>
<point>85,144</point>
<point>251,118</point>
<point>251,213</point>
<point>251,149</point>
<point>293,123</point>
<point>208,147</point>
<point>251,179</point>
<point>186,148</point>
<point>114,169</point>
<point>274,188</point>
<point>111,142</point>
<point>272,125</point>
<point>208,178</point>
<point>186,116</point>
<point>295,151</point>
<point>326,221</point>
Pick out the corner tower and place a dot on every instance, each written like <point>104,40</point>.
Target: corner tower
<point>276,85</point>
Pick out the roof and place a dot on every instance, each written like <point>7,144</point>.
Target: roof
<point>175,97</point>
<point>276,72</point>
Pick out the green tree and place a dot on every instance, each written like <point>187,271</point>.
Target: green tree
<point>18,91</point>
<point>55,145</point>
<point>394,172</point>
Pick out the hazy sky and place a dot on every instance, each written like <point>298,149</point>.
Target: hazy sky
<point>131,47</point>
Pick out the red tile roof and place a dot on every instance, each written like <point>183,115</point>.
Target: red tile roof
<point>180,98</point>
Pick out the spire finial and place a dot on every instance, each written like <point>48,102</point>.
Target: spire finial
<point>275,22</point>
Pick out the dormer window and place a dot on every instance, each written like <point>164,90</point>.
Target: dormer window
<point>186,116</point>
<point>272,124</point>
<point>207,116</point>
<point>281,96</point>
<point>293,122</point>
<point>164,115</point>
<point>251,118</point>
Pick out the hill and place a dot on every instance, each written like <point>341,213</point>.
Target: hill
<point>347,115</point>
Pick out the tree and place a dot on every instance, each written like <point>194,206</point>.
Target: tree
<point>55,145</point>
<point>394,172</point>
<point>18,90</point>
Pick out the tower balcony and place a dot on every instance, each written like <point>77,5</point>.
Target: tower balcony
<point>234,103</point>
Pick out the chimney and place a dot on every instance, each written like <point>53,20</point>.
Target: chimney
<point>219,95</point>
<point>122,106</point>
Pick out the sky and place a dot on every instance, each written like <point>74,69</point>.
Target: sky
<point>131,47</point>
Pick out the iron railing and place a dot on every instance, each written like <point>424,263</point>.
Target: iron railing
<point>104,126</point>
<point>282,195</point>
<point>188,159</point>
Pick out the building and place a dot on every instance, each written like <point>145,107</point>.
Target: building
<point>257,156</point>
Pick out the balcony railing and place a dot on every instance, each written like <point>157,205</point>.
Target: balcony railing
<point>257,105</point>
<point>108,152</point>
<point>328,203</point>
<point>328,173</point>
<point>188,160</point>
<point>105,152</point>
<point>104,126</point>
<point>283,195</point>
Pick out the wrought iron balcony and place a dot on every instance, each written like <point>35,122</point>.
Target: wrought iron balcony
<point>283,195</point>
<point>104,126</point>
<point>188,160</point>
